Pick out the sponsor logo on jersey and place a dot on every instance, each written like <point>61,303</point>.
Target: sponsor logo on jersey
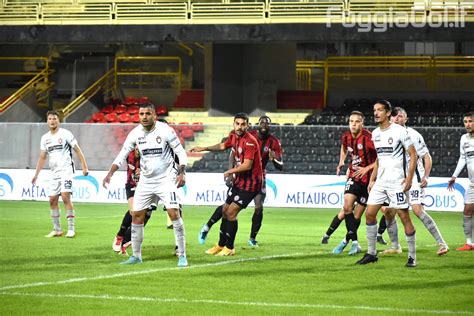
<point>384,150</point>
<point>377,138</point>
<point>55,147</point>
<point>152,151</point>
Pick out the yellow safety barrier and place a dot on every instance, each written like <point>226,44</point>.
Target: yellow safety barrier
<point>139,12</point>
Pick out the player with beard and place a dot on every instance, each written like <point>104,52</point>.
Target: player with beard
<point>270,150</point>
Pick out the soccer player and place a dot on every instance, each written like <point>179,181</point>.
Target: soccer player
<point>160,177</point>
<point>270,150</point>
<point>247,184</point>
<point>57,144</point>
<point>390,179</point>
<point>466,157</point>
<point>357,143</point>
<point>417,192</point>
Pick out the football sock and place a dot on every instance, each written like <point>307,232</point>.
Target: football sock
<point>382,225</point>
<point>257,219</point>
<point>222,232</point>
<point>371,238</point>
<point>215,217</point>
<point>55,218</point>
<point>411,241</point>
<point>126,222</point>
<point>70,219</point>
<point>351,227</point>
<point>467,225</point>
<point>178,228</point>
<point>432,227</point>
<point>138,232</point>
<point>392,229</point>
<point>232,227</point>
<point>334,225</point>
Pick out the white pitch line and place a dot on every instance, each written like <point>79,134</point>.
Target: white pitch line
<point>124,274</point>
<point>244,303</point>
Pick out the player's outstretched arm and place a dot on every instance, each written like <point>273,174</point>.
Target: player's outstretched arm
<point>216,147</point>
<point>82,158</point>
<point>39,166</point>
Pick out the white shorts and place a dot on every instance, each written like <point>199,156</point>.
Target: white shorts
<point>60,183</point>
<point>396,197</point>
<point>469,195</point>
<point>416,196</point>
<point>148,193</point>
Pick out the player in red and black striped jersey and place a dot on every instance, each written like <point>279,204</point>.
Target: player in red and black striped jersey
<point>357,144</point>
<point>247,184</point>
<point>270,150</point>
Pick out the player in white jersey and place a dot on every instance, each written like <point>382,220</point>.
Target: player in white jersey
<point>57,144</point>
<point>389,180</point>
<point>466,157</point>
<point>160,177</point>
<point>417,192</point>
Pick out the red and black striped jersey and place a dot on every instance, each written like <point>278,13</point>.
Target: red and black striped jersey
<point>267,143</point>
<point>361,151</point>
<point>133,163</point>
<point>244,148</point>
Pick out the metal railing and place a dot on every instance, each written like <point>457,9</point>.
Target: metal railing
<point>39,83</point>
<point>431,69</point>
<point>139,12</point>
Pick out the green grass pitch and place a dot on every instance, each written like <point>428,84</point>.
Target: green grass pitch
<point>291,273</point>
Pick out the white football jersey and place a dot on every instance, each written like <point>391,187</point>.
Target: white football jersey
<point>391,144</point>
<point>157,149</point>
<point>421,151</point>
<point>59,146</point>
<point>466,157</point>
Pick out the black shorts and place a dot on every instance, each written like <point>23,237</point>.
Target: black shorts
<point>130,190</point>
<point>358,189</point>
<point>240,197</point>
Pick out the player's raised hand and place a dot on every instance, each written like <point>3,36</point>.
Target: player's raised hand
<point>424,182</point>
<point>451,184</point>
<point>360,171</point>
<point>33,181</point>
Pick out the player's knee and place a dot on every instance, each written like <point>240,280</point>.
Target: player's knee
<point>258,210</point>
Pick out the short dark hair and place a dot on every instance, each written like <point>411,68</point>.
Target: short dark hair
<point>387,105</point>
<point>242,115</point>
<point>358,113</point>
<point>468,114</point>
<point>398,109</point>
<point>265,118</point>
<point>52,112</point>
<point>147,105</point>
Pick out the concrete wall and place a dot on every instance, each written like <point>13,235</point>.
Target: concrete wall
<point>24,110</point>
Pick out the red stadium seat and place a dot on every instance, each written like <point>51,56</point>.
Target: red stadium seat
<point>111,117</point>
<point>124,118</point>
<point>99,116</point>
<point>109,108</point>
<point>132,109</point>
<point>161,110</point>
<point>130,101</point>
<point>182,126</point>
<point>197,127</point>
<point>135,118</point>
<point>119,109</point>
<point>143,100</point>
<point>187,134</point>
